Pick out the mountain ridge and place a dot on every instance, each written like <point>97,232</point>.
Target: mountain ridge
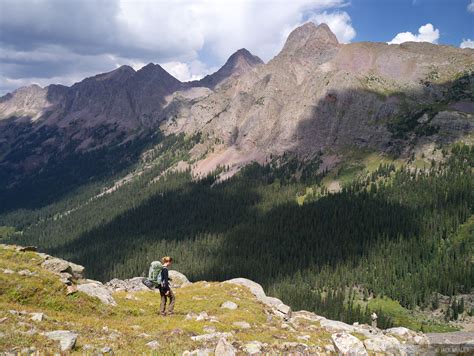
<point>316,95</point>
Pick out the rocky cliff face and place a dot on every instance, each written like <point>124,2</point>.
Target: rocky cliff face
<point>319,95</point>
<point>47,305</point>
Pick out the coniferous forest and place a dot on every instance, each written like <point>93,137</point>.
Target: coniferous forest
<point>403,233</point>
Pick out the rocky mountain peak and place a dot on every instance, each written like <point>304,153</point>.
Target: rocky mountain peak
<point>309,39</point>
<point>121,74</point>
<point>238,63</point>
<point>241,58</point>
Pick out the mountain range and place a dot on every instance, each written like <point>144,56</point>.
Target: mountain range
<point>316,95</point>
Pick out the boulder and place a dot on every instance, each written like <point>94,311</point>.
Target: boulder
<point>336,326</point>
<point>153,344</point>
<point>257,290</point>
<point>253,347</point>
<point>400,332</point>
<point>211,336</point>
<point>129,285</point>
<point>106,350</point>
<point>97,290</point>
<point>65,278</point>
<point>229,305</point>
<point>242,324</point>
<point>56,265</point>
<point>202,316</point>
<point>283,309</point>
<point>67,339</point>
<point>408,335</point>
<point>178,279</point>
<point>381,343</point>
<point>346,344</point>
<point>224,348</point>
<point>26,272</point>
<point>37,316</point>
<point>77,270</point>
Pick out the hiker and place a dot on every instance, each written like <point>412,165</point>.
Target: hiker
<point>165,290</point>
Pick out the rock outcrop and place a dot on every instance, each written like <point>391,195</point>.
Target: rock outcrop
<point>67,339</point>
<point>276,304</point>
<point>97,290</point>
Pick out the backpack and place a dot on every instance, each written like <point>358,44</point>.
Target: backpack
<point>154,275</point>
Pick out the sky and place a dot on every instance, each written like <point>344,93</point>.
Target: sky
<point>64,41</point>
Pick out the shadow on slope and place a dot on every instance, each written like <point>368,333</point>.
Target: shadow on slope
<point>390,121</point>
<point>221,232</point>
<point>63,173</point>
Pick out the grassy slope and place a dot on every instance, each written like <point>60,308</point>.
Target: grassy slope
<point>121,327</point>
<point>357,163</point>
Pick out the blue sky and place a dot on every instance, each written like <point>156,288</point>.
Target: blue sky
<point>381,20</point>
<point>59,41</point>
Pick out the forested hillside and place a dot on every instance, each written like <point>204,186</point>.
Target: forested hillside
<point>390,232</point>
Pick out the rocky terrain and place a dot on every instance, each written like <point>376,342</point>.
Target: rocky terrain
<point>48,305</point>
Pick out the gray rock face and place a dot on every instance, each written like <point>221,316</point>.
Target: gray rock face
<point>67,339</point>
<point>346,344</point>
<point>97,290</point>
<point>224,348</point>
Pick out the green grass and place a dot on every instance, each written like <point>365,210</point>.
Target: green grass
<point>97,323</point>
<point>407,318</point>
<point>358,163</point>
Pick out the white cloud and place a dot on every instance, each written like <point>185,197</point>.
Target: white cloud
<point>339,23</point>
<point>470,7</point>
<point>195,36</point>
<point>183,71</point>
<point>426,33</point>
<point>467,43</point>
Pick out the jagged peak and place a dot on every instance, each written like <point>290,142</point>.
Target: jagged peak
<point>310,36</point>
<point>245,54</point>
<point>238,63</point>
